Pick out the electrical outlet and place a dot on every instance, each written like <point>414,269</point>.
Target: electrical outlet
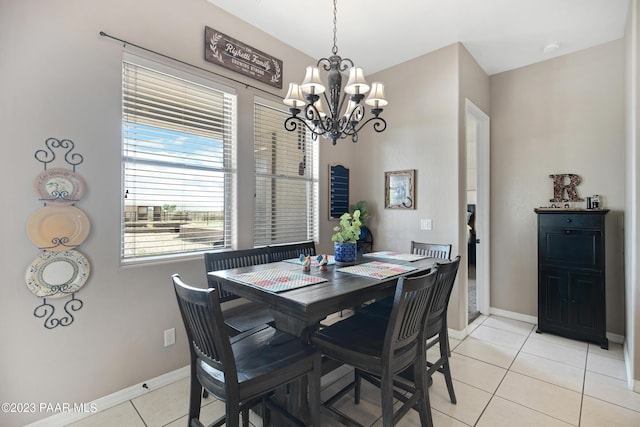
<point>169,337</point>
<point>426,224</point>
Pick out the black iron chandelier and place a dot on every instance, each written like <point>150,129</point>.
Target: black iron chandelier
<point>334,121</point>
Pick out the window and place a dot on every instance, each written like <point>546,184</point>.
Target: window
<point>286,167</point>
<point>178,136</point>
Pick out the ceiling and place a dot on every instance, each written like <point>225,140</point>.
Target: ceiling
<point>378,34</point>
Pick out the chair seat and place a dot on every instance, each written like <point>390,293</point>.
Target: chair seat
<point>382,308</point>
<point>247,316</point>
<point>262,355</point>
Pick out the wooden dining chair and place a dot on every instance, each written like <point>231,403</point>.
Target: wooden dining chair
<point>383,348</point>
<point>291,250</point>
<point>436,331</point>
<point>242,371</point>
<point>433,250</point>
<point>249,314</point>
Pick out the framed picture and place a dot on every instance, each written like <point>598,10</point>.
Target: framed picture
<point>399,189</point>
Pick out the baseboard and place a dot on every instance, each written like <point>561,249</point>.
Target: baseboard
<point>64,418</point>
<point>513,315</point>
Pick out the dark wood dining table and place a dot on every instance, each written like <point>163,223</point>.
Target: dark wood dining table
<point>299,311</point>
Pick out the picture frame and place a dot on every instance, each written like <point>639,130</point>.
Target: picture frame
<point>400,189</point>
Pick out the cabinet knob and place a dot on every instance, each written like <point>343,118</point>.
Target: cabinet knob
<point>567,231</point>
<point>568,220</point>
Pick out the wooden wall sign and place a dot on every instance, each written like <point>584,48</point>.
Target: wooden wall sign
<point>562,187</point>
<point>230,53</point>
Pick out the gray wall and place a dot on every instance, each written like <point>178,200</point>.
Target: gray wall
<point>564,115</point>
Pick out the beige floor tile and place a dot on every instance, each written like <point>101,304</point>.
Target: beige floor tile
<point>366,412</point>
<point>557,339</point>
<point>515,326</point>
<point>498,336</point>
<point>123,415</point>
<point>611,390</point>
<point>615,350</point>
<point>565,354</point>
<point>487,352</point>
<point>550,399</point>
<point>596,413</point>
<point>504,413</point>
<point>164,405</point>
<point>209,413</point>
<point>607,366</point>
<point>549,371</point>
<point>476,373</point>
<point>471,400</point>
<point>412,419</point>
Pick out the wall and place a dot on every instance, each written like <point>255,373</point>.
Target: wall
<point>564,115</point>
<point>426,133</point>
<point>61,79</point>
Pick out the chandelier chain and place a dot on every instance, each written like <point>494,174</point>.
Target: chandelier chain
<point>335,26</point>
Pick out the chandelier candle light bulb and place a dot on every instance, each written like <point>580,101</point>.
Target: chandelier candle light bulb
<point>331,123</point>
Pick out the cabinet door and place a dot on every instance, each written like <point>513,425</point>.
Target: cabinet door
<point>553,298</point>
<point>571,247</point>
<point>587,303</point>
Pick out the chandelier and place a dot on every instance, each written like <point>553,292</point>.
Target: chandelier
<point>330,118</point>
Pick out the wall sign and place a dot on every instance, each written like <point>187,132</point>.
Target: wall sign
<point>562,187</point>
<point>338,191</point>
<point>230,53</point>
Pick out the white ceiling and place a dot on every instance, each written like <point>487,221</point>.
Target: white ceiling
<point>377,34</point>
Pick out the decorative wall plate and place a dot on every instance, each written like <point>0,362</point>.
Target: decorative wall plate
<point>59,186</point>
<point>58,228</point>
<point>57,274</point>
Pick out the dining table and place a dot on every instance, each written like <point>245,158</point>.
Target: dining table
<point>316,294</point>
<point>299,300</point>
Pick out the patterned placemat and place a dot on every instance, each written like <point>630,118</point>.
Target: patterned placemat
<point>377,270</point>
<point>314,260</point>
<point>276,280</point>
<point>395,255</point>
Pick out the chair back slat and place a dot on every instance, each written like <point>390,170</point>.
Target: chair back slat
<point>410,307</point>
<point>445,280</point>
<point>206,331</point>
<point>433,250</point>
<point>291,250</point>
<point>215,261</point>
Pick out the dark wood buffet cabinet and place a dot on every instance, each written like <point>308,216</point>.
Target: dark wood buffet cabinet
<point>571,273</point>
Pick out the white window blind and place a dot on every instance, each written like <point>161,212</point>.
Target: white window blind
<point>178,138</point>
<point>286,167</point>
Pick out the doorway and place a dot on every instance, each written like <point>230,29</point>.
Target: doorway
<point>478,175</point>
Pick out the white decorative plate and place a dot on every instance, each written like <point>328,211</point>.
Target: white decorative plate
<point>57,274</point>
<point>59,186</point>
<point>58,228</point>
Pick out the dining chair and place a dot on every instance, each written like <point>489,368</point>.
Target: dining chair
<point>433,250</point>
<point>244,370</point>
<point>384,348</point>
<point>248,315</point>
<point>436,330</point>
<point>291,250</point>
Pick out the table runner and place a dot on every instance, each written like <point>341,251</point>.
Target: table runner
<point>377,270</point>
<point>275,280</point>
<point>395,255</point>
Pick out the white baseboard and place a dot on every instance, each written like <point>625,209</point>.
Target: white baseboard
<point>64,418</point>
<point>513,315</point>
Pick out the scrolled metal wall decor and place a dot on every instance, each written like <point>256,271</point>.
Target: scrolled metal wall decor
<point>59,271</point>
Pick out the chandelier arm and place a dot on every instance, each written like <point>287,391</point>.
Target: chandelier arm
<point>293,122</point>
<point>379,124</point>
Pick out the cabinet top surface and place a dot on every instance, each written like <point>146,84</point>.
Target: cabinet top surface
<point>571,211</point>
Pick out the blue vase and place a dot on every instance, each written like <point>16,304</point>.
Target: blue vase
<point>344,253</point>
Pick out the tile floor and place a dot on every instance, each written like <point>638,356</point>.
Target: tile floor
<point>504,375</point>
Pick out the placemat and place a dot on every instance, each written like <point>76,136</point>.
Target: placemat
<point>377,270</point>
<point>314,260</point>
<point>276,280</point>
<point>395,255</point>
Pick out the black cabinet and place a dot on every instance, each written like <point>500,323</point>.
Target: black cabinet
<point>571,276</point>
